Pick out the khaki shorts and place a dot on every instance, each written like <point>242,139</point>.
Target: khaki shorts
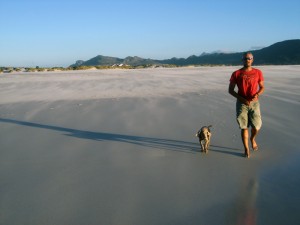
<point>248,115</point>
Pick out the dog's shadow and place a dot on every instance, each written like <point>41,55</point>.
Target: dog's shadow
<point>158,143</point>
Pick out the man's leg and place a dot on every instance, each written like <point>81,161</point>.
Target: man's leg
<point>256,122</point>
<point>242,111</point>
<point>245,138</point>
<point>254,133</point>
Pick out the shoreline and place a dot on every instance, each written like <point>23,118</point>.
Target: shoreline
<point>93,68</point>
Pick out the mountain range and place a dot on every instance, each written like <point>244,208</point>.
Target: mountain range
<point>281,53</point>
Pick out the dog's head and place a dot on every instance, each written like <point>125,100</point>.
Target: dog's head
<point>204,133</point>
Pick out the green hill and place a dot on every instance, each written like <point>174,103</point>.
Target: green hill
<point>281,53</point>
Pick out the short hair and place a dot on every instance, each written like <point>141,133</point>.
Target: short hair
<point>247,53</point>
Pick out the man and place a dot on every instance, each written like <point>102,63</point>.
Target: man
<point>250,83</point>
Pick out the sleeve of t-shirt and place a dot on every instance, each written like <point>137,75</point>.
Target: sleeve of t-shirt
<point>233,78</point>
<point>261,77</point>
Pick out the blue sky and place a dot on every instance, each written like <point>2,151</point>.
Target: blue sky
<point>50,33</point>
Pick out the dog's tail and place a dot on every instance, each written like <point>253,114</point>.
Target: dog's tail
<point>208,127</point>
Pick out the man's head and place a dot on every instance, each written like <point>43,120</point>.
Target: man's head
<point>247,59</point>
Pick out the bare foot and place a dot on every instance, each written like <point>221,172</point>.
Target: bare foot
<point>254,145</point>
<point>247,153</point>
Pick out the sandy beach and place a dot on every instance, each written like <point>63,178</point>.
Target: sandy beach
<point>118,147</point>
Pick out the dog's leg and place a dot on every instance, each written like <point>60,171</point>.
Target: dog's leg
<point>206,146</point>
<point>208,141</point>
<point>203,149</point>
<point>202,146</point>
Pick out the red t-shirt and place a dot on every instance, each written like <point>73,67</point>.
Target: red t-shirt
<point>247,82</point>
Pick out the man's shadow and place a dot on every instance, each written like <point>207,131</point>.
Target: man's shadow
<point>159,143</point>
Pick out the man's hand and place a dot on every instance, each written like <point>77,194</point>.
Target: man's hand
<point>244,101</point>
<point>234,94</point>
<point>255,97</point>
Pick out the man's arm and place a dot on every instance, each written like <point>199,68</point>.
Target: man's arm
<point>234,94</point>
<point>261,88</point>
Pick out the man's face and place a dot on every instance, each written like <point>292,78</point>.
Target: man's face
<point>248,60</point>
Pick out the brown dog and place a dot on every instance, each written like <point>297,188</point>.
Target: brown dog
<point>204,136</point>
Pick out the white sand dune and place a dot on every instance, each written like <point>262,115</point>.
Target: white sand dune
<point>118,147</point>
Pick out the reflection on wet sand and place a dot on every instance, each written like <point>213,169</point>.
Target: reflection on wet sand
<point>243,210</point>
